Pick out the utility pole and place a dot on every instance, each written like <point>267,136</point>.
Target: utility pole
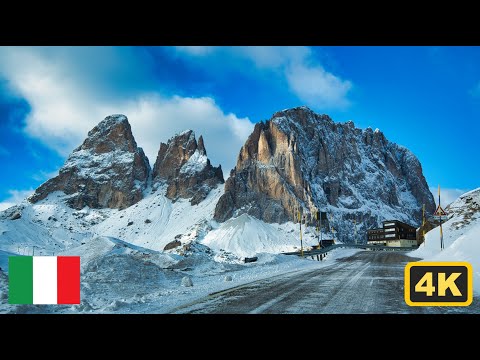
<point>441,230</point>
<point>355,221</point>
<point>423,224</point>
<point>317,223</point>
<point>321,239</point>
<point>301,240</point>
<point>331,226</point>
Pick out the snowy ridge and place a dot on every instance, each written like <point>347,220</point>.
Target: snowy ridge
<point>194,164</point>
<point>52,227</point>
<point>98,166</point>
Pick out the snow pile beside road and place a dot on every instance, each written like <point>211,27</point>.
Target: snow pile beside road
<point>247,236</point>
<point>461,235</point>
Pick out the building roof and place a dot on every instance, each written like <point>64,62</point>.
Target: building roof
<point>390,239</point>
<point>399,222</point>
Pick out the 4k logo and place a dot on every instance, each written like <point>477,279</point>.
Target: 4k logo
<point>438,284</point>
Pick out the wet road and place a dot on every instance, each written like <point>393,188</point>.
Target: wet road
<point>366,282</point>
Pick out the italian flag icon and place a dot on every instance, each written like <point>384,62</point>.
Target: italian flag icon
<point>44,280</point>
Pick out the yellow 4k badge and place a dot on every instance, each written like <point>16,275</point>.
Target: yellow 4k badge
<point>438,284</point>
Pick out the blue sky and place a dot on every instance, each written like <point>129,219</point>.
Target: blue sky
<point>425,98</point>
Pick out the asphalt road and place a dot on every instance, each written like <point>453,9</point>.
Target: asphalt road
<point>367,282</point>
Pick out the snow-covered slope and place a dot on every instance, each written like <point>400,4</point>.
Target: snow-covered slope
<point>156,221</point>
<point>461,235</point>
<point>122,266</point>
<point>49,226</point>
<point>247,236</point>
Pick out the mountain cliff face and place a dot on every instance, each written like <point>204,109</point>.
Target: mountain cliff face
<point>465,209</point>
<point>183,165</point>
<point>107,171</point>
<point>302,161</point>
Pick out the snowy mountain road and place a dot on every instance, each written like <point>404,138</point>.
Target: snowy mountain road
<point>366,282</point>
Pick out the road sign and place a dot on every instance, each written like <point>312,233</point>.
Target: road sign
<point>440,211</point>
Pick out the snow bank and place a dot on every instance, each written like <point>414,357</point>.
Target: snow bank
<point>247,236</point>
<point>461,235</point>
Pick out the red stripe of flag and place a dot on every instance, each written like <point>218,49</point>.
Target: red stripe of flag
<point>68,280</point>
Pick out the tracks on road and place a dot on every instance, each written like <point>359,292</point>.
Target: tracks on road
<point>366,282</point>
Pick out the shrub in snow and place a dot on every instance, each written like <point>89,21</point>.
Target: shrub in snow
<point>187,281</point>
<point>228,278</point>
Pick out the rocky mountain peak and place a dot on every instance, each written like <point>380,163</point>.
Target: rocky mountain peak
<point>183,165</point>
<point>172,155</point>
<point>111,134</point>
<point>201,146</point>
<point>108,170</point>
<point>302,116</point>
<point>303,161</point>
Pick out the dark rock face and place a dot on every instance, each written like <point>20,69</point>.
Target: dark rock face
<point>172,245</point>
<point>302,161</point>
<point>107,171</point>
<point>183,165</point>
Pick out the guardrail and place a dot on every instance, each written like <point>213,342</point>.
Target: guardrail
<point>351,246</point>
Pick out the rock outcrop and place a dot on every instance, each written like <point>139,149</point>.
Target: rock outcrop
<point>107,171</point>
<point>183,165</point>
<point>302,161</point>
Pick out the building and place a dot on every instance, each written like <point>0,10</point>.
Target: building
<point>325,243</point>
<point>393,233</point>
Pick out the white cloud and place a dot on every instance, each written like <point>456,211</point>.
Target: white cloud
<point>305,76</point>
<point>314,85</point>
<point>68,99</point>
<point>447,195</point>
<point>15,197</point>
<point>62,110</point>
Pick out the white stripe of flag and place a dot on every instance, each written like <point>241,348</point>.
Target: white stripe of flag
<point>44,279</point>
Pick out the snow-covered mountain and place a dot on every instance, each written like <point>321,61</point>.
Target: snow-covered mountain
<point>124,218</point>
<point>303,161</point>
<point>298,159</point>
<point>106,189</point>
<point>109,208</point>
<point>183,165</point>
<point>107,170</point>
<point>461,235</point>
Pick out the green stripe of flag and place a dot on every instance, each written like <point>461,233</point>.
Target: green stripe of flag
<point>20,278</point>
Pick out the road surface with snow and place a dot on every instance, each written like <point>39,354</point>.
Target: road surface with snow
<point>366,282</point>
